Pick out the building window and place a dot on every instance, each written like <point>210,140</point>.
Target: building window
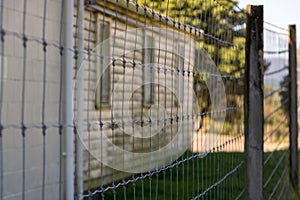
<point>103,89</point>
<point>148,70</point>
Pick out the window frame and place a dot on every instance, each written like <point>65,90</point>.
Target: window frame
<point>103,59</point>
<point>148,57</point>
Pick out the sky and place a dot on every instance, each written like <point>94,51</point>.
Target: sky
<point>279,12</point>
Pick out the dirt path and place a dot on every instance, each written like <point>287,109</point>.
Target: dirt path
<point>228,143</point>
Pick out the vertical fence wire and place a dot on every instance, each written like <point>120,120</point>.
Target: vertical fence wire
<point>1,103</point>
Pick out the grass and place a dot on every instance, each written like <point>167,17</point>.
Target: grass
<point>188,179</point>
<point>294,194</point>
<point>215,176</point>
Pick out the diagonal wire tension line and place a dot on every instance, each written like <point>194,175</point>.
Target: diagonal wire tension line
<point>276,110</point>
<point>269,94</point>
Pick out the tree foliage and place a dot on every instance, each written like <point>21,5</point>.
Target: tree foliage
<point>221,22</point>
<point>223,28</point>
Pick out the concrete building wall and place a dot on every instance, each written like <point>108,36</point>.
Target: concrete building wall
<point>26,158</point>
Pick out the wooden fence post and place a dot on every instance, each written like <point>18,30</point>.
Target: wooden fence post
<point>254,109</point>
<point>293,122</point>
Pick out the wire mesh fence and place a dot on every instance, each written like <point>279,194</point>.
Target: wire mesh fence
<point>134,100</point>
<point>164,61</point>
<point>31,106</point>
<point>276,100</point>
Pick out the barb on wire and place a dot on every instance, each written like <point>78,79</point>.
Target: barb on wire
<point>276,71</point>
<point>276,91</point>
<point>277,52</point>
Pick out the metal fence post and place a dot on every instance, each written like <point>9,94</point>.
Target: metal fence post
<point>254,109</point>
<point>293,122</point>
<point>80,99</point>
<point>68,102</point>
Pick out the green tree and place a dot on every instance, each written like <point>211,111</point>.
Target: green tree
<point>221,22</point>
<point>223,28</point>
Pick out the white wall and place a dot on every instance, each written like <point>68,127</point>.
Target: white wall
<point>12,103</point>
